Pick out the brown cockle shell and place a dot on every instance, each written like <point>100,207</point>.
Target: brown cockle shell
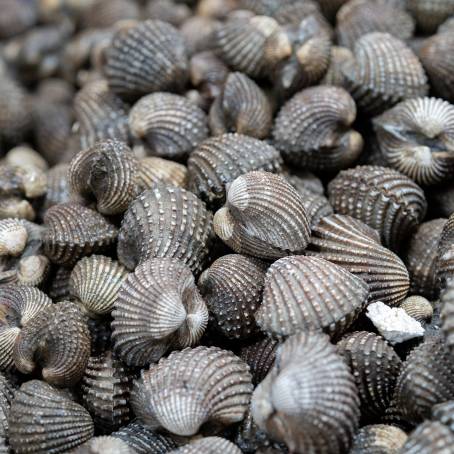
<point>445,260</point>
<point>316,206</point>
<point>430,437</point>
<point>58,187</point>
<point>208,445</point>
<point>264,217</point>
<point>418,307</point>
<point>25,156</point>
<point>309,399</point>
<point>429,14</point>
<point>176,395</point>
<point>447,315</point>
<point>232,289</point>
<point>104,445</point>
<point>165,222</point>
<point>13,237</point>
<point>44,420</point>
<point>153,170</point>
<point>378,439</point>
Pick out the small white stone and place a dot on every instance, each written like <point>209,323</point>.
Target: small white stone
<point>393,323</point>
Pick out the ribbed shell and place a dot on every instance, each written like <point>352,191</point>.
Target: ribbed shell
<point>154,170</point>
<point>232,289</point>
<point>13,237</point>
<point>58,187</point>
<point>168,11</point>
<point>418,307</point>
<point>165,222</point>
<point>44,420</point>
<point>386,71</point>
<point>429,14</point>
<point>208,445</point>
<point>193,387</point>
<point>316,206</point>
<point>33,270</point>
<point>6,396</point>
<point>171,125</point>
<point>17,17</point>
<point>312,130</point>
<point>382,198</point>
<point>104,445</point>
<point>351,244</point>
<point>158,307</point>
<point>219,160</point>
<point>264,217</point>
<point>445,261</point>
<point>431,437</point>
<point>378,439</point>
<point>59,285</point>
<point>105,13</point>
<point>309,399</point>
<point>74,231</point>
<point>375,366</point>
<point>447,315</point>
<point>335,75</point>
<point>150,56</point>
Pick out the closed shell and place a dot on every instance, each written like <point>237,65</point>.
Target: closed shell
<point>13,237</point>
<point>6,397</point>
<point>316,206</point>
<point>17,17</point>
<point>429,14</point>
<point>418,307</point>
<point>58,187</point>
<point>30,182</point>
<point>104,445</point>
<point>430,437</point>
<point>339,57</point>
<point>378,439</point>
<point>105,13</point>
<point>15,207</point>
<point>445,260</point>
<point>208,445</point>
<point>153,170</point>
<point>447,315</point>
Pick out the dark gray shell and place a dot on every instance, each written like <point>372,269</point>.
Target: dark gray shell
<point>430,14</point>
<point>104,445</point>
<point>208,445</point>
<point>17,17</point>
<point>445,261</point>
<point>340,56</point>
<point>418,307</point>
<point>378,439</point>
<point>6,397</point>
<point>152,170</point>
<point>447,315</point>
<point>105,13</point>
<point>431,437</point>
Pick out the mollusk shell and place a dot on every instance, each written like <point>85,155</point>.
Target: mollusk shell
<point>447,315</point>
<point>104,445</point>
<point>316,206</point>
<point>17,17</point>
<point>334,75</point>
<point>208,445</point>
<point>14,207</point>
<point>58,187</point>
<point>418,307</point>
<point>430,14</point>
<point>6,397</point>
<point>378,439</point>
<point>430,437</point>
<point>153,170</point>
<point>30,182</point>
<point>13,237</point>
<point>105,13</point>
<point>445,262</point>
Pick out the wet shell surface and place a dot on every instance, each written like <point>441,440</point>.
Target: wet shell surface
<point>418,307</point>
<point>430,14</point>
<point>308,400</point>
<point>13,237</point>
<point>447,315</point>
<point>104,445</point>
<point>316,206</point>
<point>176,395</point>
<point>445,261</point>
<point>153,170</point>
<point>429,438</point>
<point>378,439</point>
<point>208,445</point>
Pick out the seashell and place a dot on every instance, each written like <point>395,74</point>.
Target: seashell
<point>198,32</point>
<point>106,172</point>
<point>447,315</point>
<point>417,307</point>
<point>95,282</point>
<point>446,26</point>
<point>43,419</point>
<point>316,206</point>
<point>215,8</point>
<point>331,7</point>
<point>105,392</point>
<point>104,445</point>
<point>13,237</point>
<point>208,445</point>
<point>334,75</point>
<point>105,13</point>
<point>241,107</point>
<point>312,130</point>
<point>59,285</point>
<point>428,14</point>
<point>26,157</point>
<point>74,231</point>
<point>55,90</point>
<point>58,188</point>
<point>421,258</point>
<point>232,289</point>
<point>161,51</point>
<point>375,367</point>
<point>57,340</point>
<point>28,182</point>
<point>308,294</point>
<point>220,160</point>
<point>378,438</point>
<point>264,217</point>
<point>430,437</point>
<point>445,261</point>
<point>168,11</point>
<point>171,125</point>
<point>33,270</point>
<point>395,204</point>
<point>15,207</point>
<point>153,170</point>
<point>356,247</point>
<point>175,394</point>
<point>6,397</point>
<point>304,181</point>
<point>385,72</point>
<point>100,114</point>
<point>17,17</point>
<point>444,413</point>
<point>165,222</point>
<point>158,307</point>
<point>308,400</point>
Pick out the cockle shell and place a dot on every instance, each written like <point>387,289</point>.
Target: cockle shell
<point>303,181</point>
<point>418,307</point>
<point>316,206</point>
<point>430,14</point>
<point>334,74</point>
<point>104,445</point>
<point>165,222</point>
<point>58,187</point>
<point>382,198</point>
<point>168,11</point>
<point>33,270</point>
<point>153,170</point>
<point>17,17</point>
<point>264,217</point>
<point>59,285</point>
<point>208,445</point>
<point>430,437</point>
<point>6,397</point>
<point>105,13</point>
<point>176,395</point>
<point>198,32</point>
<point>44,420</point>
<point>309,399</point>
<point>30,182</point>
<point>445,261</point>
<point>15,207</point>
<point>13,237</point>
<point>26,157</point>
<point>378,439</point>
<point>444,413</point>
<point>447,315</point>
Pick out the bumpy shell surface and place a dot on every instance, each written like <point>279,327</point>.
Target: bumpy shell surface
<point>308,400</point>
<point>313,129</point>
<point>104,445</point>
<point>58,187</point>
<point>353,245</point>
<point>13,237</point>
<point>176,395</point>
<point>334,75</point>
<point>378,439</point>
<point>158,307</point>
<point>447,315</point>
<point>385,72</point>
<point>59,285</point>
<point>219,160</point>
<point>154,170</point>
<point>445,261</point>
<point>165,222</point>
<point>316,206</point>
<point>208,445</point>
<point>444,413</point>
<point>430,14</point>
<point>44,420</point>
<point>418,307</point>
<point>74,231</point>
<point>382,198</point>
<point>171,125</point>
<point>264,217</point>
<point>431,437</point>
<point>309,294</point>
<point>148,57</point>
<point>232,289</point>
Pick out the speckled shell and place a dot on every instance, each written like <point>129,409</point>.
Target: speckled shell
<point>148,57</point>
<point>208,445</point>
<point>74,231</point>
<point>316,206</point>
<point>431,437</point>
<point>104,445</point>
<point>385,72</point>
<point>158,307</point>
<point>312,130</point>
<point>17,17</point>
<point>44,420</point>
<point>351,244</point>
<point>165,222</point>
<point>447,315</point>
<point>418,307</point>
<point>219,160</point>
<point>171,125</point>
<point>30,182</point>
<point>13,237</point>
<point>6,396</point>
<point>176,395</point>
<point>264,217</point>
<point>59,285</point>
<point>334,75</point>
<point>444,413</point>
<point>232,289</point>
<point>429,14</point>
<point>154,170</point>
<point>308,400</point>
<point>58,188</point>
<point>445,261</point>
<point>378,439</point>
<point>303,181</point>
<point>57,340</point>
<point>382,198</point>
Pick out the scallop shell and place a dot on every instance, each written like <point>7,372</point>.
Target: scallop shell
<point>429,438</point>
<point>165,222</point>
<point>309,399</point>
<point>154,170</point>
<point>430,14</point>
<point>17,17</point>
<point>208,445</point>
<point>379,439</point>
<point>334,75</point>
<point>445,261</point>
<point>351,244</point>
<point>382,198</point>
<point>28,182</point>
<point>171,125</point>
<point>447,315</point>
<point>58,187</point>
<point>418,307</point>
<point>264,217</point>
<point>104,445</point>
<point>15,207</point>
<point>43,419</point>
<point>219,160</point>
<point>232,289</point>
<point>13,237</point>
<point>148,57</point>
<point>176,395</point>
<point>74,231</point>
<point>312,130</point>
